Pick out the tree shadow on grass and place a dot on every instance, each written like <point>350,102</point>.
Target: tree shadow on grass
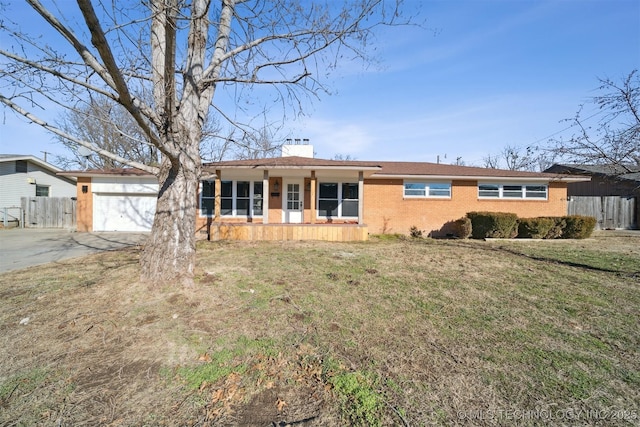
<point>548,260</point>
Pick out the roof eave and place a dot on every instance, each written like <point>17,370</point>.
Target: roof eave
<point>295,167</point>
<point>35,160</point>
<point>564,178</point>
<point>76,174</point>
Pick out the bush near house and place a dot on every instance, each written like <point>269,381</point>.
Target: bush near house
<point>507,225</point>
<point>415,232</point>
<point>535,228</point>
<point>495,225</point>
<point>559,224</point>
<point>578,227</point>
<point>462,228</point>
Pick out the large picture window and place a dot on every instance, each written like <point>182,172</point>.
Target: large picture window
<point>237,198</point>
<point>512,191</point>
<point>338,200</point>
<point>416,189</point>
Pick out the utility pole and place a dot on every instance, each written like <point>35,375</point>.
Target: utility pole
<point>45,154</point>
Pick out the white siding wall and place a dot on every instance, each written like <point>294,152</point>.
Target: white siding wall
<point>14,185</point>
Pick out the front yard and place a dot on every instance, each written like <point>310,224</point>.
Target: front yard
<point>385,332</point>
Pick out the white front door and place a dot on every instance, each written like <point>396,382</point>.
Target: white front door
<point>292,202</point>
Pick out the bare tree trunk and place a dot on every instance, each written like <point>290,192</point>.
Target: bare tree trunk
<point>170,252</point>
<point>272,45</point>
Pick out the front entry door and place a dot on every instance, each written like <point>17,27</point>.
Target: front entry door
<point>292,202</point>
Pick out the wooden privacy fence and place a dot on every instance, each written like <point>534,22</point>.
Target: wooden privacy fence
<point>609,211</point>
<point>49,212</point>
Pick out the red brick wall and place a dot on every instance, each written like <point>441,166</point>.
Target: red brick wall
<point>387,211</point>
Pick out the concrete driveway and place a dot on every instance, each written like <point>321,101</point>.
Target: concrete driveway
<point>22,248</point>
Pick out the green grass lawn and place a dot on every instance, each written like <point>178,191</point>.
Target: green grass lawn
<point>385,332</point>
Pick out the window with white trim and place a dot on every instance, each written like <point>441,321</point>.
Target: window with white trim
<point>237,198</point>
<point>512,191</point>
<point>42,191</point>
<point>338,200</point>
<point>419,189</point>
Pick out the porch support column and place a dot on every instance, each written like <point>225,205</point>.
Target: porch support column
<point>360,197</point>
<point>265,197</point>
<point>217,192</point>
<point>312,197</point>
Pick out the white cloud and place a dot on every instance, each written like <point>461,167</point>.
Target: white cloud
<point>330,137</point>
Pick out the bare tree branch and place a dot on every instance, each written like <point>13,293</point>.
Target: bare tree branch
<point>100,42</point>
<point>615,139</point>
<point>164,61</point>
<point>55,130</point>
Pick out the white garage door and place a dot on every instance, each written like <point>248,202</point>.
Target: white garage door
<point>123,212</point>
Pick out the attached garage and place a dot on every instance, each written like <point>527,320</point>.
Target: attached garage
<point>123,212</point>
<point>123,203</point>
<point>115,200</point>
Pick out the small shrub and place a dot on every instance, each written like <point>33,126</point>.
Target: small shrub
<point>493,225</point>
<point>535,228</point>
<point>415,232</point>
<point>578,227</point>
<point>462,228</point>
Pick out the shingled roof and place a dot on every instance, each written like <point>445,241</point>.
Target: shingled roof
<point>385,169</point>
<point>626,172</point>
<point>375,169</point>
<point>293,162</point>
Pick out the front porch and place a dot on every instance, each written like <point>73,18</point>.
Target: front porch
<point>280,232</point>
<point>291,198</point>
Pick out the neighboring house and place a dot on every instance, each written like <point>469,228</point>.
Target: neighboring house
<point>28,176</point>
<point>328,199</point>
<point>612,195</point>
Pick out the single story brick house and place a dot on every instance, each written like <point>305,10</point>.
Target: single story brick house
<point>304,198</point>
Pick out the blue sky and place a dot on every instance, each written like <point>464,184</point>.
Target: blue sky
<point>478,76</point>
